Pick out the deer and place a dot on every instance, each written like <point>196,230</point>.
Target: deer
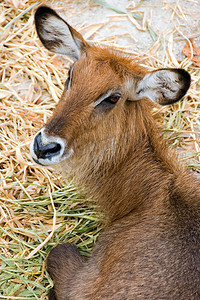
<point>104,134</point>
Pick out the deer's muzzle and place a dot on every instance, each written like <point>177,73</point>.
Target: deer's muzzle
<point>48,150</point>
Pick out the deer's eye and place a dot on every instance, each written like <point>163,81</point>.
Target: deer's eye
<point>113,99</point>
<point>106,101</point>
<point>68,81</point>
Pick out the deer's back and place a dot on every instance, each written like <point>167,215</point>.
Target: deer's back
<point>147,255</point>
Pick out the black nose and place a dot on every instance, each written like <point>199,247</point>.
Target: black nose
<point>45,151</point>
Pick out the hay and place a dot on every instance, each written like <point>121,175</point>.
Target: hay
<point>37,208</point>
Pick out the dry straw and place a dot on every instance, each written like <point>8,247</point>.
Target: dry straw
<point>37,209</point>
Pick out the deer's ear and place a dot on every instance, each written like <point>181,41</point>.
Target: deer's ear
<point>57,35</point>
<point>164,86</point>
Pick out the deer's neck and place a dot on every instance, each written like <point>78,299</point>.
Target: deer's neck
<point>136,183</point>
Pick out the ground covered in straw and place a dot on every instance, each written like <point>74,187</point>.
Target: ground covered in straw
<point>37,207</point>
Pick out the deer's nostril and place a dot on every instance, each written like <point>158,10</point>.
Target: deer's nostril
<point>50,150</point>
<point>45,151</point>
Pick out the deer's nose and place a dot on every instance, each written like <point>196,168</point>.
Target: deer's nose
<point>49,150</point>
<point>45,151</point>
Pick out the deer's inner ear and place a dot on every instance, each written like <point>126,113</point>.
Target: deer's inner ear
<point>57,35</point>
<point>164,86</point>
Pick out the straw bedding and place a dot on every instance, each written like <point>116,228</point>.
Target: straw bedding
<point>37,207</point>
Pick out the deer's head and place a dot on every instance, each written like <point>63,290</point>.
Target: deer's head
<point>100,94</point>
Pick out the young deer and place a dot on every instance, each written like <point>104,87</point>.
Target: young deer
<point>104,134</point>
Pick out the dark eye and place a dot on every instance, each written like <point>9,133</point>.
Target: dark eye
<point>67,82</point>
<point>112,99</point>
<point>108,102</point>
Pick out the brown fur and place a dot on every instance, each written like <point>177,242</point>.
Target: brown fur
<point>150,248</point>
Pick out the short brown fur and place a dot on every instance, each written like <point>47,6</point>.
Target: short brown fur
<point>150,247</point>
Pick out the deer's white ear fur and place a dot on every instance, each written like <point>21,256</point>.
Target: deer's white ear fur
<point>57,35</point>
<point>164,86</point>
